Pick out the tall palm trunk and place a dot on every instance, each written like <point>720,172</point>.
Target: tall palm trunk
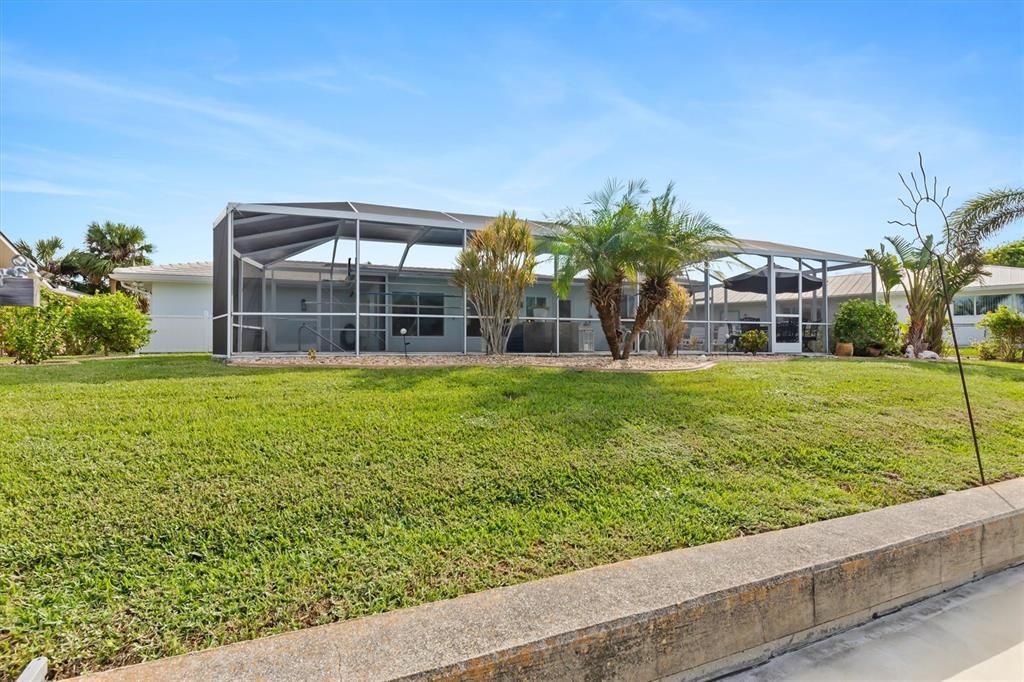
<point>607,297</point>
<point>653,292</point>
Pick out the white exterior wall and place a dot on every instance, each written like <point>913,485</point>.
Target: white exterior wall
<point>180,318</point>
<point>967,331</point>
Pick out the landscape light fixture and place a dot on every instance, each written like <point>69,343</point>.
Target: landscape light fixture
<point>405,341</point>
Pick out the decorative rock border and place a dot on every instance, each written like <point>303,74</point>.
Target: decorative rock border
<point>689,614</point>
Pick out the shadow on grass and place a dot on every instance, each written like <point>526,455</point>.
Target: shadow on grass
<point>119,369</point>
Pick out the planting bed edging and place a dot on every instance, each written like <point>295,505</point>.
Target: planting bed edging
<point>692,613</point>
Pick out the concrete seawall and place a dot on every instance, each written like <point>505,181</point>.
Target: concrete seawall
<point>693,613</point>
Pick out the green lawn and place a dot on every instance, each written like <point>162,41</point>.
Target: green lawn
<point>153,506</point>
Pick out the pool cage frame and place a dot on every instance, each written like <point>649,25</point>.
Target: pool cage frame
<point>253,243</point>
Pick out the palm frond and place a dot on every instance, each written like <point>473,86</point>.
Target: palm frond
<point>986,214</point>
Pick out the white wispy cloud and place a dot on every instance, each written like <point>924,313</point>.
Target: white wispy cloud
<point>674,15</point>
<point>285,132</point>
<point>38,186</point>
<point>317,77</point>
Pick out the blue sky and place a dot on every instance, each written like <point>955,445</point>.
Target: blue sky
<point>784,121</point>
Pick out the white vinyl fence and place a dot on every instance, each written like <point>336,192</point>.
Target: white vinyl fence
<point>180,334</point>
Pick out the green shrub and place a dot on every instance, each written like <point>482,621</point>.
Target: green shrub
<point>111,322</point>
<point>1007,329</point>
<point>866,323</point>
<point>753,341</point>
<point>34,334</point>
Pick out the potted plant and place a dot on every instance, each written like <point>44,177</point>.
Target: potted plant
<point>753,341</point>
<point>844,348</point>
<point>864,327</point>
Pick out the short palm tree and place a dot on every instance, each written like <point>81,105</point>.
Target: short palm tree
<point>918,285</point>
<point>600,240</point>
<point>112,245</point>
<point>669,237</point>
<point>56,267</point>
<point>887,265</point>
<point>922,285</point>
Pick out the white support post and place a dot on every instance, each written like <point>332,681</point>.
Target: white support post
<point>231,272</point>
<point>771,303</point>
<point>558,316</point>
<point>824,302</point>
<point>636,307</point>
<point>357,286</point>
<point>800,302</point>
<point>707,307</point>
<point>263,309</point>
<point>465,305</point>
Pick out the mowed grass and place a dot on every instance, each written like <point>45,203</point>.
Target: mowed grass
<point>154,506</point>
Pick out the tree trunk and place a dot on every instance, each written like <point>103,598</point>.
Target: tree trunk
<point>934,330</point>
<point>606,297</point>
<point>915,334</point>
<point>652,294</point>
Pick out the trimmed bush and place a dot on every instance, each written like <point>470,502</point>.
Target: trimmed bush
<point>111,322</point>
<point>1007,329</point>
<point>669,322</point>
<point>867,323</point>
<point>753,341</point>
<point>34,334</point>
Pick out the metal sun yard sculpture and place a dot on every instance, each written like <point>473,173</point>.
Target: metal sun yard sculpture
<point>918,199</point>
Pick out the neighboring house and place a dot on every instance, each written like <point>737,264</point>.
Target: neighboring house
<point>180,301</point>
<point>26,291</point>
<point>1003,285</point>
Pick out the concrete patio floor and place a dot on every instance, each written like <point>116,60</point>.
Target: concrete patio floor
<point>975,632</point>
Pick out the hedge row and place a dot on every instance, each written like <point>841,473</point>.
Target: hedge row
<point>60,325</point>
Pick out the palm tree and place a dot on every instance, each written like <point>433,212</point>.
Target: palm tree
<point>669,238</point>
<point>985,215</point>
<point>918,285</point>
<point>600,239</point>
<point>54,266</point>
<point>922,285</point>
<point>888,267</point>
<point>109,246</point>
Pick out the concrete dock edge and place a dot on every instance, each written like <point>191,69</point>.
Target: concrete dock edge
<point>688,614</point>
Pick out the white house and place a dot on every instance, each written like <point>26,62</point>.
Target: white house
<point>181,298</point>
<point>1002,286</point>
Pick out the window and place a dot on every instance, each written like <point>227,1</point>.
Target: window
<point>1020,302</point>
<point>990,303</point>
<point>473,323</point>
<point>627,306</point>
<point>963,305</point>
<point>565,309</point>
<point>537,306</point>
<point>407,308</point>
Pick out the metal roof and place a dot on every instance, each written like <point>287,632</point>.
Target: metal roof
<point>198,272</point>
<point>839,286</point>
<point>756,247</point>
<point>268,233</point>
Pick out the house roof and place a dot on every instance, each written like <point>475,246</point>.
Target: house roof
<point>272,232</point>
<point>197,272</point>
<point>7,252</point>
<point>1002,276</point>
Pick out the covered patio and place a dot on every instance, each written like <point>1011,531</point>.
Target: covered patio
<point>290,278</point>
